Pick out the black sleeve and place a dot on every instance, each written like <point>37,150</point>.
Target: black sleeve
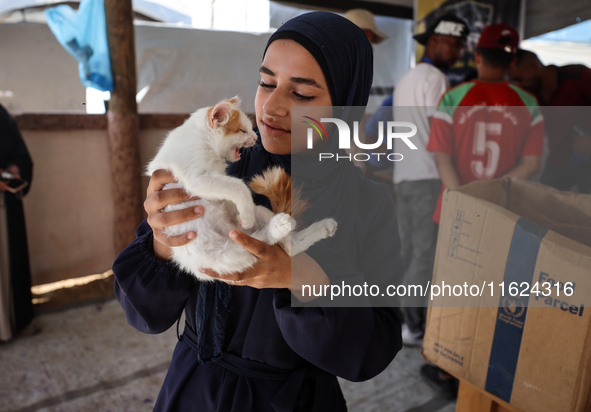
<point>151,291</point>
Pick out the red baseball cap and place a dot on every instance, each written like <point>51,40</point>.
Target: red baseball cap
<point>499,36</point>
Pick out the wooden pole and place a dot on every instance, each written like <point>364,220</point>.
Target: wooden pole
<point>123,123</point>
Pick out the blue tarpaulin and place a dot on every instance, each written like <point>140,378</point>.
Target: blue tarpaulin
<point>84,35</point>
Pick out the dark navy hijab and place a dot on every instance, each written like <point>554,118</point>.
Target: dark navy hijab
<point>346,59</point>
<point>340,48</point>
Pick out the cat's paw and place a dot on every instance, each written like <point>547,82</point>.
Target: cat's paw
<point>280,226</point>
<point>330,226</point>
<point>246,219</point>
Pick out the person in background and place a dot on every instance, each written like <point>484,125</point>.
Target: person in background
<point>384,114</point>
<point>416,181</point>
<point>16,167</point>
<point>485,129</point>
<point>505,140</point>
<point>365,20</point>
<point>568,129</point>
<point>378,120</point>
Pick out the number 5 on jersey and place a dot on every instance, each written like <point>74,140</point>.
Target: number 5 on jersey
<point>486,169</point>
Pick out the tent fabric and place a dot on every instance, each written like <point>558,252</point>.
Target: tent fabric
<point>541,16</point>
<point>560,53</point>
<point>185,69</point>
<point>180,70</point>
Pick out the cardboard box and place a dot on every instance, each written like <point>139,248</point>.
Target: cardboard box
<point>505,236</point>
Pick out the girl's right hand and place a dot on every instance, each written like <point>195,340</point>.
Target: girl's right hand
<point>156,200</point>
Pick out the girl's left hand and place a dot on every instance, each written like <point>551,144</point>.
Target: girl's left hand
<point>272,270</point>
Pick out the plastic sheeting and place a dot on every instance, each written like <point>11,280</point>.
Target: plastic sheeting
<point>559,53</point>
<point>180,70</point>
<point>83,34</point>
<point>185,69</point>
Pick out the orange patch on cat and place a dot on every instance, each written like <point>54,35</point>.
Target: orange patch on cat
<point>275,184</point>
<point>233,124</point>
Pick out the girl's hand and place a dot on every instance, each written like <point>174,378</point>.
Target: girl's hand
<point>156,200</point>
<point>272,270</point>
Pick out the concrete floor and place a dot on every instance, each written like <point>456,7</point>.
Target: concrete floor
<point>86,358</point>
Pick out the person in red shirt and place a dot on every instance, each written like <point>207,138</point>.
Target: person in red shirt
<point>484,129</point>
<point>487,128</point>
<point>564,92</point>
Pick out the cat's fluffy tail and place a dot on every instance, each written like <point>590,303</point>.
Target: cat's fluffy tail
<point>275,184</point>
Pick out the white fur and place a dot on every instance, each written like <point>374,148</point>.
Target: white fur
<point>196,154</point>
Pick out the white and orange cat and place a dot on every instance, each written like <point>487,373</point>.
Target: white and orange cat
<point>197,153</point>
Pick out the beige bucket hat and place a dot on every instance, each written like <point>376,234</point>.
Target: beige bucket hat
<point>365,20</point>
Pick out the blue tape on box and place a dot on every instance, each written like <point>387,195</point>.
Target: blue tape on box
<point>512,313</point>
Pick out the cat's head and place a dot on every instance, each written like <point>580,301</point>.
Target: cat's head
<point>232,128</point>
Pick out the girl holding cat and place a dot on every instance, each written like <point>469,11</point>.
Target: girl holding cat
<point>245,347</point>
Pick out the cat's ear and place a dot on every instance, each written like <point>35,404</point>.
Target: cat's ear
<point>220,113</point>
<point>234,101</point>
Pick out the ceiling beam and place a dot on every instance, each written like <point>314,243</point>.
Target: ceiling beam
<point>378,8</point>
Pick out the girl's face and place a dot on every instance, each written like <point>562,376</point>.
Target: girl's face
<point>290,76</point>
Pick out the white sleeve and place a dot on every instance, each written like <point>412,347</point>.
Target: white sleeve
<point>435,86</point>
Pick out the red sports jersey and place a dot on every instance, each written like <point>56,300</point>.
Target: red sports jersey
<point>486,128</point>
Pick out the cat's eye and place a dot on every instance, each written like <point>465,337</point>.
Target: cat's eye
<point>242,131</point>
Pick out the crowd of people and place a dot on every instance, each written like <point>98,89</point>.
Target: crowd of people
<point>458,145</point>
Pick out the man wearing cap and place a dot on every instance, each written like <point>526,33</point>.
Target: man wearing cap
<point>416,181</point>
<point>568,129</point>
<point>487,128</point>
